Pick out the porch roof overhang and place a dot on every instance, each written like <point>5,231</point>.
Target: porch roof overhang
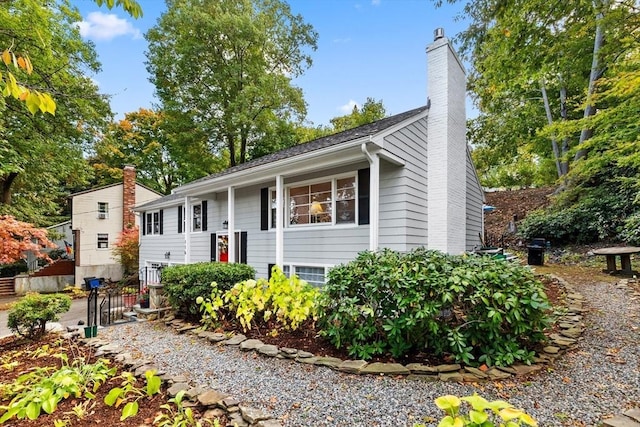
<point>329,157</point>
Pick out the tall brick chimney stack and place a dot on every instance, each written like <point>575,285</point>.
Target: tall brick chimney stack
<point>128,196</point>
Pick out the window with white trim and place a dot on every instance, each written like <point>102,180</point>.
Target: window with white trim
<point>327,202</point>
<point>315,276</point>
<point>103,241</point>
<point>152,222</point>
<point>197,217</point>
<point>103,210</point>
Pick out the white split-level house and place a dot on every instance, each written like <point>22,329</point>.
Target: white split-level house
<point>98,216</point>
<point>402,182</point>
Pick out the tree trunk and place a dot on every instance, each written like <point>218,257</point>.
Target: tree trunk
<point>596,72</point>
<point>554,143</point>
<point>231,144</point>
<point>565,142</point>
<point>5,196</point>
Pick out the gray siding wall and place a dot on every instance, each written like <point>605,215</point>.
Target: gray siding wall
<point>475,202</point>
<point>153,247</point>
<point>403,190</point>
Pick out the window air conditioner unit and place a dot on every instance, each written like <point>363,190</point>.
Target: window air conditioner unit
<point>102,215</point>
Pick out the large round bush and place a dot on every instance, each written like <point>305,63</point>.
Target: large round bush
<point>477,309</point>
<point>183,284</point>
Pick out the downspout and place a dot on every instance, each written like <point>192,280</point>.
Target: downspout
<point>374,196</point>
<point>231,214</point>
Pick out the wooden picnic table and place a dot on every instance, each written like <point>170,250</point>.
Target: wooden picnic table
<point>624,252</point>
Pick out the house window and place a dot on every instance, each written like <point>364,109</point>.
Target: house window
<point>197,217</point>
<point>103,241</point>
<point>315,276</point>
<point>152,222</point>
<point>103,210</point>
<point>327,202</point>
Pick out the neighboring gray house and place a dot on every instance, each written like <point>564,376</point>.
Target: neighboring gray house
<point>402,182</point>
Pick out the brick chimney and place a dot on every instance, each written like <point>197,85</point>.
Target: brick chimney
<point>446,147</point>
<point>128,196</point>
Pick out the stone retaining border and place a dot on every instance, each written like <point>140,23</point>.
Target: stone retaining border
<point>569,324</point>
<point>216,404</point>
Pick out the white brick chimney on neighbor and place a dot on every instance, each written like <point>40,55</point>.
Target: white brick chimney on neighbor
<point>446,148</point>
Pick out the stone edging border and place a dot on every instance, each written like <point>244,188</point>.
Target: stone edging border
<point>215,404</point>
<point>569,323</point>
<point>218,404</point>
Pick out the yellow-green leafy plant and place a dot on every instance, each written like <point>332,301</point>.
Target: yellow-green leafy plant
<point>482,413</point>
<point>180,417</point>
<point>129,394</point>
<point>288,300</point>
<point>41,389</point>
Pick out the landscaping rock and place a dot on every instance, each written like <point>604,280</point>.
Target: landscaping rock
<point>251,344</point>
<point>289,353</point>
<point>177,388</point>
<point>235,340</point>
<point>269,350</point>
<point>252,415</point>
<point>475,371</point>
<point>378,368</point>
<point>448,368</point>
<point>211,398</point>
<point>330,362</point>
<point>450,376</point>
<point>351,366</point>
<point>269,423</point>
<point>497,374</point>
<point>420,369</point>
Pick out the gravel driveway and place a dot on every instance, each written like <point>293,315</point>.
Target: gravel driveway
<point>599,377</point>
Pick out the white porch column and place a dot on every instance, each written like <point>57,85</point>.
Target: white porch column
<point>231,210</point>
<point>279,221</point>
<point>188,223</point>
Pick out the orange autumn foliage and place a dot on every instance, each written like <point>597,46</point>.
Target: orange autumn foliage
<point>17,237</point>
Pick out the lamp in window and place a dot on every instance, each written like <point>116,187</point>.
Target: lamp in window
<point>316,208</point>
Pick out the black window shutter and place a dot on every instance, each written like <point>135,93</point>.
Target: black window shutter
<point>204,215</point>
<point>364,179</point>
<point>243,247</point>
<point>270,268</point>
<point>144,223</point>
<point>161,220</point>
<point>180,219</point>
<point>264,209</point>
<point>214,246</point>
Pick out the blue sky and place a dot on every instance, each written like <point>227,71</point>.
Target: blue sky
<point>366,48</point>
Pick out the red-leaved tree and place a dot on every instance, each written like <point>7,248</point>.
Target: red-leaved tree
<point>127,250</point>
<point>17,237</point>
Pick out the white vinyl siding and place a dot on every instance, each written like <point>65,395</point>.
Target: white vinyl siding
<point>403,190</point>
<point>475,199</point>
<point>154,247</point>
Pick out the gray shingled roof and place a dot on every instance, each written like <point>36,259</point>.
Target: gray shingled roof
<point>369,129</point>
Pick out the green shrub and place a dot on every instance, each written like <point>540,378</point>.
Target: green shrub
<point>630,232</point>
<point>29,316</point>
<point>477,309</point>
<point>591,219</point>
<point>290,301</point>
<point>184,283</point>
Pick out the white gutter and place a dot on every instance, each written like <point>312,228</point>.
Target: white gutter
<point>279,221</point>
<point>374,196</point>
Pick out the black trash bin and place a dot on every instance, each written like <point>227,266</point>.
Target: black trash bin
<point>535,252</point>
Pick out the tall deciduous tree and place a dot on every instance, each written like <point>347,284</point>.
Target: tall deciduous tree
<point>229,64</point>
<point>164,157</point>
<point>535,63</point>
<point>42,154</point>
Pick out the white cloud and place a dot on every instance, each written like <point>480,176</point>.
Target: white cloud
<point>342,40</point>
<point>348,107</point>
<point>375,2</point>
<point>106,26</point>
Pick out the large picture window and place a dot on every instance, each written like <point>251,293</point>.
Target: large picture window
<point>326,202</point>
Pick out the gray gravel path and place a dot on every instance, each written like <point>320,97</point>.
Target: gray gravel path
<point>599,377</point>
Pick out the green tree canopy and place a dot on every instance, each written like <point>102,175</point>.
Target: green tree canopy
<point>164,158</point>
<point>229,65</point>
<point>42,154</point>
